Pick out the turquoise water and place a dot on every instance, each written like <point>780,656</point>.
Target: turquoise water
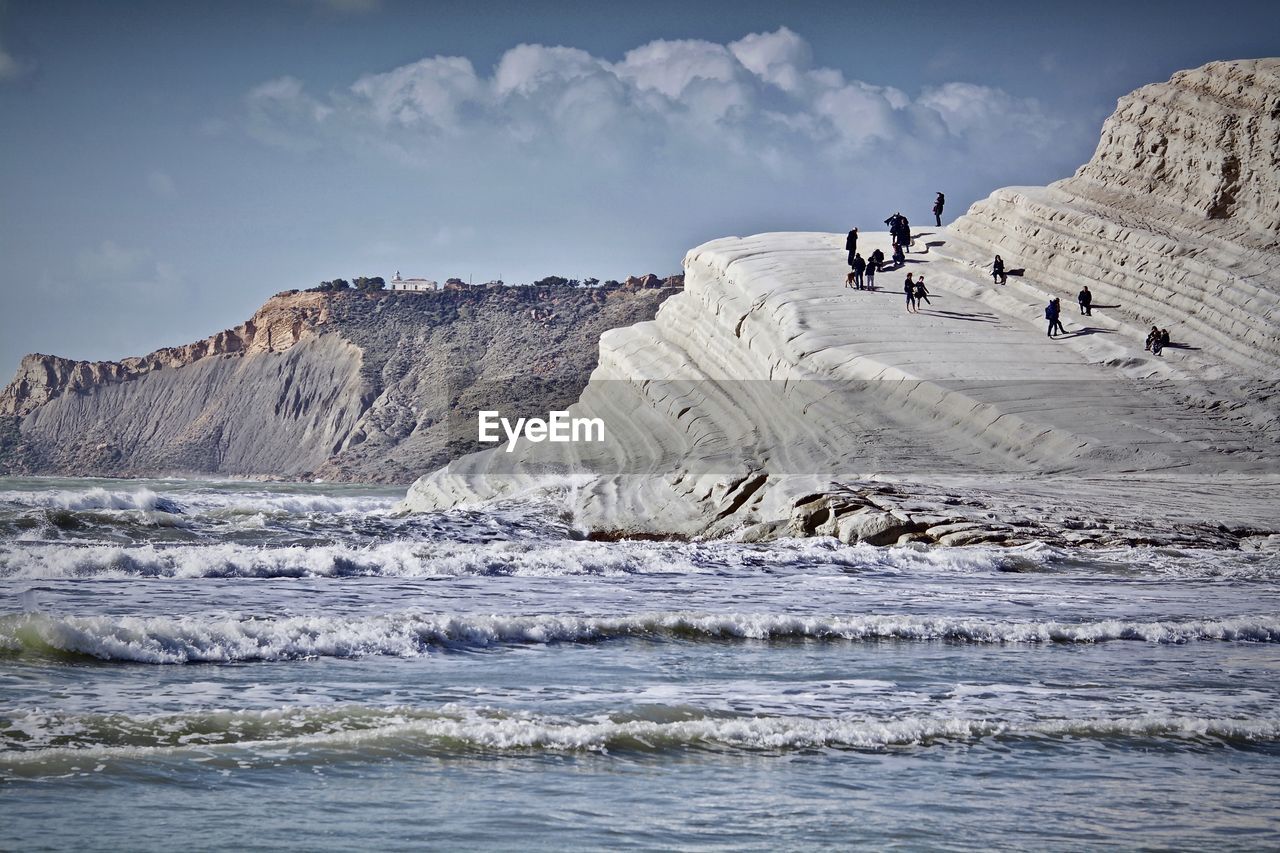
<point>232,665</point>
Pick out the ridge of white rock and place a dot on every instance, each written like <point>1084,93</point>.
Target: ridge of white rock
<point>1176,218</point>
<point>768,398</point>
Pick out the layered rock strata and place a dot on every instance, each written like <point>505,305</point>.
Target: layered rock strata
<point>767,392</point>
<point>345,386</point>
<point>1175,221</point>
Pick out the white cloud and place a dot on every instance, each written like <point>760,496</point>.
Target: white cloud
<point>968,110</point>
<point>528,68</point>
<point>739,122</point>
<point>780,58</point>
<point>427,93</point>
<point>759,94</point>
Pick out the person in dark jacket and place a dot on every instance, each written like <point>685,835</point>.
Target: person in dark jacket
<point>851,245</point>
<point>1051,313</point>
<point>873,265</point>
<point>997,271</point>
<point>877,260</point>
<point>909,288</point>
<point>1086,301</point>
<point>1154,344</point>
<point>938,204</point>
<point>921,293</point>
<point>859,265</point>
<point>899,230</point>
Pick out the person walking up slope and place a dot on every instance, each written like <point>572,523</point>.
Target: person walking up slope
<point>1052,312</point>
<point>997,271</point>
<point>1057,315</point>
<point>909,288</point>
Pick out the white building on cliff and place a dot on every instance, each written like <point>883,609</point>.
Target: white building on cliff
<point>412,284</point>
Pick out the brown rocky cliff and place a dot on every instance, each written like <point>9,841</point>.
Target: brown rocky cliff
<point>354,386</point>
<point>279,324</point>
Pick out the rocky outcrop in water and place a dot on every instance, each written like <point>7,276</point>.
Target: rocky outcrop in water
<point>769,400</point>
<point>346,386</point>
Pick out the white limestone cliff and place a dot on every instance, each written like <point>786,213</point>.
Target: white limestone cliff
<point>768,398</point>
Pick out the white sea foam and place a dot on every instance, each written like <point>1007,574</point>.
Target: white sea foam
<point>95,498</point>
<point>409,558</point>
<point>292,504</point>
<point>38,738</point>
<point>199,501</point>
<point>457,547</point>
<point>183,639</point>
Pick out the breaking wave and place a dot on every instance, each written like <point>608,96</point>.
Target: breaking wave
<point>147,500</point>
<point>411,558</point>
<point>36,738</point>
<point>144,500</point>
<point>184,639</point>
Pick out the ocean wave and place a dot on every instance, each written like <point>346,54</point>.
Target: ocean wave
<point>96,498</point>
<point>464,548</point>
<point>35,738</point>
<point>197,501</point>
<point>208,639</point>
<point>400,559</point>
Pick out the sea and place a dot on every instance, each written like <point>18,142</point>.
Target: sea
<point>237,665</point>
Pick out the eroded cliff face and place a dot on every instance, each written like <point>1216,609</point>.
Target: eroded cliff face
<point>275,327</point>
<point>347,386</point>
<point>767,399</point>
<point>1175,221</point>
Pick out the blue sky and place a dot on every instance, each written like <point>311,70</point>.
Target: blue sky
<point>164,167</point>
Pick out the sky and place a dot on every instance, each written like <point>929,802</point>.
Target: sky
<point>167,166</point>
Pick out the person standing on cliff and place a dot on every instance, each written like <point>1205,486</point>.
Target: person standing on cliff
<point>938,204</point>
<point>997,271</point>
<point>851,245</point>
<point>909,288</point>
<point>1086,301</point>
<point>873,265</point>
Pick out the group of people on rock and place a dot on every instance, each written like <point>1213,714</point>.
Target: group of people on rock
<point>1053,311</point>
<point>900,232</point>
<point>862,271</point>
